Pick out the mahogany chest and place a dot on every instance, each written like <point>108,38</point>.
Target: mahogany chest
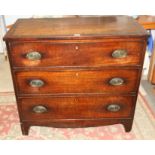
<point>76,72</point>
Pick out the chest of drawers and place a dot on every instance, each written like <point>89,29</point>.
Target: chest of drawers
<point>76,72</point>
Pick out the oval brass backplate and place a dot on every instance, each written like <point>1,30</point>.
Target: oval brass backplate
<point>33,55</point>
<point>113,107</point>
<point>119,54</point>
<point>36,83</point>
<point>39,109</point>
<point>116,81</point>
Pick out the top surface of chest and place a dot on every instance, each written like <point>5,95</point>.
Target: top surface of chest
<point>75,28</point>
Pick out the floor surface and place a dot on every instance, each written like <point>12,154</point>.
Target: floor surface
<point>5,76</point>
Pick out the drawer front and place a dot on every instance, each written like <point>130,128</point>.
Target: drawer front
<point>42,108</point>
<point>76,54</point>
<point>74,81</point>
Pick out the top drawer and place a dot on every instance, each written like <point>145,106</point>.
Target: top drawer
<point>46,54</point>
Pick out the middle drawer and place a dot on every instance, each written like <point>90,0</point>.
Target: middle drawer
<point>77,81</point>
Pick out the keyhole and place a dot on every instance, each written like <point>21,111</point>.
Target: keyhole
<point>76,47</point>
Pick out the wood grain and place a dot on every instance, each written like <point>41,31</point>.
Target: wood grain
<point>76,67</point>
<point>76,54</point>
<point>77,81</point>
<point>59,28</point>
<point>87,107</point>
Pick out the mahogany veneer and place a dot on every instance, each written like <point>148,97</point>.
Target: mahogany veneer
<point>76,72</point>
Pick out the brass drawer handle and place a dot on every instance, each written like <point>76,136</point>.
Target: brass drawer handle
<point>113,107</point>
<point>39,109</point>
<point>33,55</point>
<point>119,54</point>
<point>36,83</point>
<point>116,81</point>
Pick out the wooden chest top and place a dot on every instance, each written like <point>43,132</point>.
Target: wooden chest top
<point>74,28</point>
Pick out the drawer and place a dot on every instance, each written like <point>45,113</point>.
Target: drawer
<point>77,81</point>
<point>46,54</point>
<point>80,107</point>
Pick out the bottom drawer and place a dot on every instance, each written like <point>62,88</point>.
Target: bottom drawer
<point>87,107</point>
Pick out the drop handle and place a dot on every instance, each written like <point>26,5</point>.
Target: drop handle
<point>119,54</point>
<point>39,109</point>
<point>114,107</point>
<point>116,81</point>
<point>33,56</point>
<point>36,83</point>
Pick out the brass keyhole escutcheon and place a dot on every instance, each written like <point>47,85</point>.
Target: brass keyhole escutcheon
<point>76,47</point>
